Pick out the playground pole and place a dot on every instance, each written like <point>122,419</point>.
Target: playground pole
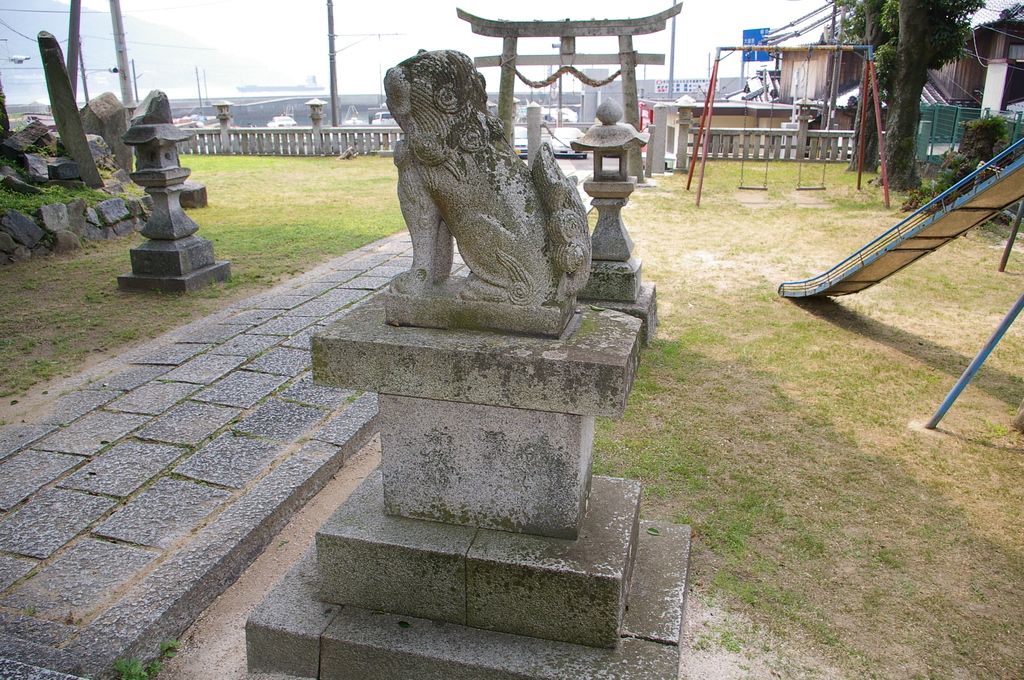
<point>976,364</point>
<point>1013,237</point>
<point>708,103</point>
<point>707,136</point>
<point>863,124</point>
<point>878,124</point>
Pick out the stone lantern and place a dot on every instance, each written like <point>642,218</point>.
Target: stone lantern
<point>174,259</point>
<point>316,114</point>
<point>615,280</point>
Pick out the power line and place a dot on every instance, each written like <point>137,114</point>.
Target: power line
<point>17,31</point>
<point>136,42</point>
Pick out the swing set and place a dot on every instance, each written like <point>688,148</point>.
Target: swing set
<point>865,52</point>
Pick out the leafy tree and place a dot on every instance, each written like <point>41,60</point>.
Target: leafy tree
<point>910,37</point>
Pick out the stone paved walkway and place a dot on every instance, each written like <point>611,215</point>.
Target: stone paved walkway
<point>130,502</point>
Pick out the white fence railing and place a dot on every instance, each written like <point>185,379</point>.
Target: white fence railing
<point>780,145</point>
<point>294,141</point>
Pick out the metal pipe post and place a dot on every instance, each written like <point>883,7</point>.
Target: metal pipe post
<point>976,364</point>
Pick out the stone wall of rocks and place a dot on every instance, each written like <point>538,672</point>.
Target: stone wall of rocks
<point>61,228</point>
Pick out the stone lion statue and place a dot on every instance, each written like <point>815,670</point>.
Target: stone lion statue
<point>522,231</point>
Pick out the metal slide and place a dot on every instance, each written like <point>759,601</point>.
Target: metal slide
<point>986,191</point>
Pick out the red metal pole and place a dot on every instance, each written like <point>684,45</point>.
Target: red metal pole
<point>711,111</point>
<point>878,123</point>
<point>700,131</point>
<point>863,124</point>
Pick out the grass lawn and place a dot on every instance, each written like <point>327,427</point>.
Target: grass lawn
<point>833,536</point>
<point>788,435</point>
<point>271,218</point>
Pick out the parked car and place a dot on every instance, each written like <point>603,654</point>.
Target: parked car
<point>561,142</point>
<point>383,118</point>
<point>519,141</point>
<point>282,121</point>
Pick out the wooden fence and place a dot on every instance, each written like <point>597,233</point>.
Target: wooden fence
<point>294,141</point>
<point>834,146</point>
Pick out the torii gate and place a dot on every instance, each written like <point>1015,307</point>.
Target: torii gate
<point>567,31</point>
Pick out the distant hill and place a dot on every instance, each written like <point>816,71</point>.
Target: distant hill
<point>165,58</point>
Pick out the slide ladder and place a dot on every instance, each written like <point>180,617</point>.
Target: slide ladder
<point>970,202</point>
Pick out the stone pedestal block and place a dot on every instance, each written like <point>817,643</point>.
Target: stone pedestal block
<point>372,560</point>
<point>645,309</point>
<point>613,280</point>
<point>485,466</point>
<point>589,372</point>
<point>450,312</point>
<point>172,258</point>
<point>572,591</point>
<point>557,589</point>
<point>368,644</point>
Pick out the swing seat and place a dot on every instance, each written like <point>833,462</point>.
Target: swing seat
<point>810,188</point>
<point>756,188</point>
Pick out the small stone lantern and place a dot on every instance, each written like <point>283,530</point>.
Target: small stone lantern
<point>316,114</point>
<point>615,280</point>
<point>174,259</point>
<point>615,274</point>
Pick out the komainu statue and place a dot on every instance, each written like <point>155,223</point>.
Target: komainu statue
<point>522,231</point>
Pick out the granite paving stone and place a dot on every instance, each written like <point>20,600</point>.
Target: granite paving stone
<point>80,578</point>
<point>341,427</point>
<point>369,260</point>
<point>367,282</point>
<point>313,289</point>
<point>328,320</point>
<point>11,569</point>
<point>40,631</point>
<point>14,438</point>
<point>175,354</point>
<point>285,301</point>
<point>243,389</point>
<point>247,345</point>
<point>305,392</point>
<point>169,509</point>
<point>189,423</point>
<point>154,398</point>
<point>282,361</point>
<point>205,369</point>
<point>130,378</point>
<point>250,317</point>
<point>93,432</point>
<point>285,325</point>
<point>122,469</point>
<point>74,405</point>
<point>27,472</point>
<point>328,303</point>
<point>301,341</point>
<point>230,460</point>
<point>281,421</point>
<point>15,670</point>
<point>50,520</point>
<point>215,333</point>
<point>389,270</point>
<point>339,276</point>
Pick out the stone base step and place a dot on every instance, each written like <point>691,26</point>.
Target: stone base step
<point>293,632</point>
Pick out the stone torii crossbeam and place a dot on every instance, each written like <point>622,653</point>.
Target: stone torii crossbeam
<point>567,31</point>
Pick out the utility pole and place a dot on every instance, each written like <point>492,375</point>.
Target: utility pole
<point>199,89</point>
<point>85,79</point>
<point>122,53</point>
<point>74,23</point>
<point>135,81</point>
<point>334,67</point>
<point>672,59</point>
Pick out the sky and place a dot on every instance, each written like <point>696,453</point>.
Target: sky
<point>290,36</point>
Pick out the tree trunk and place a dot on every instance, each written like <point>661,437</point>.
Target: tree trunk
<point>875,36</point>
<point>910,73</point>
<point>870,137</point>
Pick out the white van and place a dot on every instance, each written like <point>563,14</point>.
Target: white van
<point>383,118</point>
